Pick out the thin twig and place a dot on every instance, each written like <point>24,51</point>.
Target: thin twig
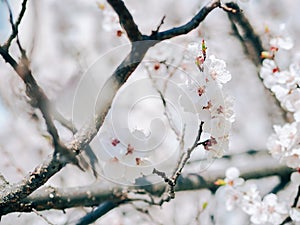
<point>160,24</point>
<point>15,26</point>
<point>164,102</point>
<point>171,181</point>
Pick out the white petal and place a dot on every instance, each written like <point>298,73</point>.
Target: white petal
<point>232,173</point>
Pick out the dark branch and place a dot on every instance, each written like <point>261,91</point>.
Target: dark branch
<point>243,29</point>
<point>296,198</point>
<point>101,210</point>
<point>15,26</point>
<point>34,92</point>
<point>189,26</point>
<point>126,20</point>
<point>158,27</point>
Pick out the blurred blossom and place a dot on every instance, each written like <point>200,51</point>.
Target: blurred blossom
<point>284,144</point>
<point>269,211</point>
<point>246,196</point>
<point>282,42</point>
<point>232,177</point>
<point>281,39</point>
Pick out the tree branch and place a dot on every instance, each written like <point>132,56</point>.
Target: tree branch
<point>12,194</point>
<point>243,29</point>
<point>59,198</point>
<point>15,26</point>
<point>102,209</point>
<point>11,197</point>
<point>126,20</point>
<point>189,26</point>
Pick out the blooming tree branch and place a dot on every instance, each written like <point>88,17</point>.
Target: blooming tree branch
<point>83,137</point>
<point>24,196</point>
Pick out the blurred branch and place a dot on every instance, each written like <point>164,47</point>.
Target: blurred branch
<point>61,198</point>
<point>3,181</point>
<point>92,158</point>
<point>250,41</point>
<point>102,209</point>
<point>243,29</point>
<point>34,92</point>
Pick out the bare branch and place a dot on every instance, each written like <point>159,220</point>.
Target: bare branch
<point>160,24</point>
<point>164,102</point>
<point>35,93</point>
<point>189,26</point>
<point>15,26</point>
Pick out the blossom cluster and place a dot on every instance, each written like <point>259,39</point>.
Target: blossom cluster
<point>245,195</point>
<point>131,149</point>
<point>216,108</point>
<point>284,83</point>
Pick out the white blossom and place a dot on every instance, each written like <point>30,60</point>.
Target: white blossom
<point>283,42</point>
<point>233,198</point>
<point>232,177</point>
<point>269,211</point>
<point>268,72</point>
<point>217,70</point>
<point>292,158</point>
<point>284,144</point>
